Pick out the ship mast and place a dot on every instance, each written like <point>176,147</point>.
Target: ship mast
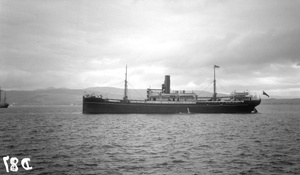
<point>4,100</point>
<point>215,89</point>
<point>125,90</point>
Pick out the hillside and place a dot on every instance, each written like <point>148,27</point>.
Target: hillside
<point>62,96</point>
<point>45,97</point>
<point>274,101</point>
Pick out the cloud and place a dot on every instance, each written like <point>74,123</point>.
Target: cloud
<point>83,44</point>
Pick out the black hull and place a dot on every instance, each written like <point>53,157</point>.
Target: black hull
<point>105,107</point>
<point>4,105</point>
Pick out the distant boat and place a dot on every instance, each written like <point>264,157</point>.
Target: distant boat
<point>163,101</point>
<point>3,103</point>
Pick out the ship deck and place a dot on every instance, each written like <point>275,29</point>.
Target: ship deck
<point>177,102</point>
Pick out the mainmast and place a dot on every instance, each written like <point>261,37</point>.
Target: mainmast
<point>215,89</point>
<point>4,100</point>
<point>125,90</point>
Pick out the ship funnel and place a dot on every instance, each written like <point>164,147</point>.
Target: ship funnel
<point>167,84</point>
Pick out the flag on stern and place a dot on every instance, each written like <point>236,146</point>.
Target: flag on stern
<point>217,66</point>
<point>264,93</point>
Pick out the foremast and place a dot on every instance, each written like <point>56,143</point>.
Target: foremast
<point>215,88</point>
<point>125,98</point>
<point>4,99</point>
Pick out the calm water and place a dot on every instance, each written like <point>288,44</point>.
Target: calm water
<point>61,140</point>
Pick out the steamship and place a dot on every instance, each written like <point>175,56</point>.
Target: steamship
<point>163,101</point>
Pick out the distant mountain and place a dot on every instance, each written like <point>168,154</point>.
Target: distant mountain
<point>273,101</point>
<point>139,94</point>
<point>63,96</point>
<point>45,97</point>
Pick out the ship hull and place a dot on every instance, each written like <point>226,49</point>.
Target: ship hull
<point>4,105</point>
<point>106,107</point>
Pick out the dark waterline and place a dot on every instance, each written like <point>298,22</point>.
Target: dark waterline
<point>62,140</point>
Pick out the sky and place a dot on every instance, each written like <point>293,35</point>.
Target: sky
<point>79,44</point>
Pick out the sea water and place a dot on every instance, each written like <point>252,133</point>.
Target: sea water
<point>62,140</point>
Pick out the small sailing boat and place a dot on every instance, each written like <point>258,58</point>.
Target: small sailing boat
<point>3,103</point>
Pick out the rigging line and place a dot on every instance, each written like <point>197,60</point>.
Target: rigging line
<point>113,90</point>
<point>118,84</point>
<point>223,88</point>
<point>116,75</point>
<point>135,90</point>
<point>205,88</point>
